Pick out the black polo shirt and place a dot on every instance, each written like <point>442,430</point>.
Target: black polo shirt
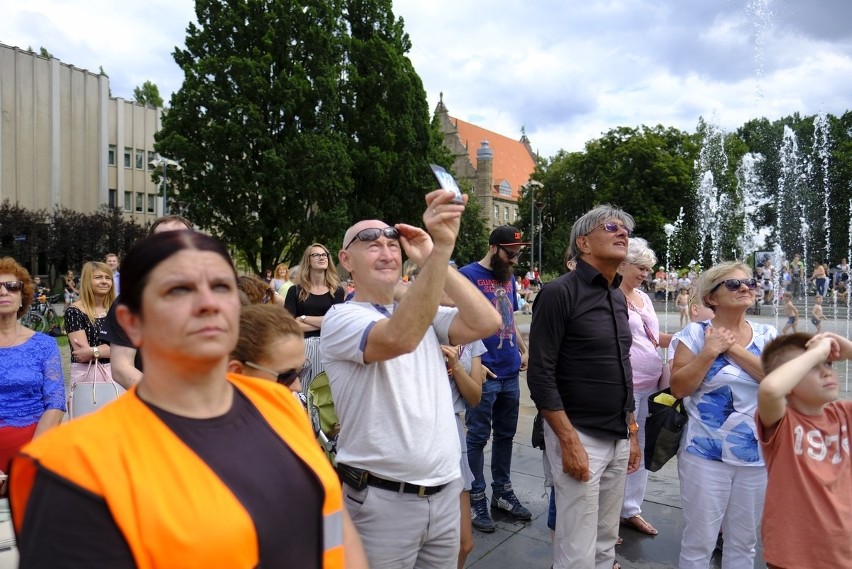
<point>579,352</point>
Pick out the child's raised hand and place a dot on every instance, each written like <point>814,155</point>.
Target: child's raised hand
<point>841,348</point>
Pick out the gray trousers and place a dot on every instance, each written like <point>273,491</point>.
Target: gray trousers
<point>405,531</point>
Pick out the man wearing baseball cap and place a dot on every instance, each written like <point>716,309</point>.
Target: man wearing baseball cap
<point>506,356</point>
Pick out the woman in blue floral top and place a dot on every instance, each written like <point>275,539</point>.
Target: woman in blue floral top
<point>32,389</point>
<point>716,370</point>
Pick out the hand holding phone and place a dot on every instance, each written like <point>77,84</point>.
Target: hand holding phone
<point>447,182</point>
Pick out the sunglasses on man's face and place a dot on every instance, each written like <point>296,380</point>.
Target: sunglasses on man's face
<point>286,378</point>
<point>734,285</point>
<point>374,233</point>
<point>509,253</point>
<point>13,286</point>
<point>615,228</point>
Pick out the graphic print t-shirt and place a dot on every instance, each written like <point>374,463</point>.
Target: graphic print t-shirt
<point>503,356</point>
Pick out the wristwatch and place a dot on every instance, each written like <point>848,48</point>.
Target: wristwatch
<point>96,353</point>
<point>633,428</point>
<point>303,318</point>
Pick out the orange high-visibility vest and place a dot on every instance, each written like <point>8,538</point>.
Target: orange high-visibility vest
<point>170,506</point>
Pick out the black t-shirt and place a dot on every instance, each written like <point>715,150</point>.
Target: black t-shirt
<point>314,305</point>
<point>66,526</point>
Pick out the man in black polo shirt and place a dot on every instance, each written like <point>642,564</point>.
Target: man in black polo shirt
<point>580,379</point>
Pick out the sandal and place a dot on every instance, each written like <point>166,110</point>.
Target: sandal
<point>615,565</point>
<point>619,541</point>
<point>638,523</point>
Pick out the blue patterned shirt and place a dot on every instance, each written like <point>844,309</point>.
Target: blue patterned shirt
<point>31,381</point>
<point>721,411</point>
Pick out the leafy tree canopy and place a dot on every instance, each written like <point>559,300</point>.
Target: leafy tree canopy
<point>148,94</point>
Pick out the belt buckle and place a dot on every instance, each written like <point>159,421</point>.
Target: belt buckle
<point>422,491</point>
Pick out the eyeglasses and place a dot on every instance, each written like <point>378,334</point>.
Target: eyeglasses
<point>734,285</point>
<point>319,255</point>
<point>13,286</point>
<point>374,233</point>
<point>614,228</point>
<point>509,253</point>
<point>286,378</point>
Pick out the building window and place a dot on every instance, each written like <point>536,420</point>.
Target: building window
<point>140,159</point>
<point>151,201</point>
<point>139,197</point>
<point>151,156</point>
<point>113,198</point>
<point>128,197</point>
<point>497,212</point>
<point>111,154</point>
<point>506,214</point>
<point>505,188</point>
<point>127,153</point>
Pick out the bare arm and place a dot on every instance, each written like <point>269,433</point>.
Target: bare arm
<point>746,360</point>
<point>522,347</point>
<point>688,369</point>
<point>49,419</point>
<point>404,330</point>
<point>575,459</point>
<point>470,385</point>
<point>124,370</point>
<point>354,556</point>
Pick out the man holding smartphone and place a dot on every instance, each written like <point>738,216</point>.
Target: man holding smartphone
<point>399,443</point>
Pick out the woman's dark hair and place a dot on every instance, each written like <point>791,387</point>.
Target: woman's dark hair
<point>146,254</point>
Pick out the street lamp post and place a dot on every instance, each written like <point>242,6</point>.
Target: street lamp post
<point>165,163</point>
<point>530,187</point>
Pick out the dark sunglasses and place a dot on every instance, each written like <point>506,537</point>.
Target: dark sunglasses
<point>374,233</point>
<point>614,228</point>
<point>13,286</point>
<point>509,254</point>
<point>734,285</point>
<point>286,378</point>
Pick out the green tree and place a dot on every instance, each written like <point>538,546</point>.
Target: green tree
<point>293,121</point>
<point>42,51</point>
<point>148,94</point>
<point>256,126</point>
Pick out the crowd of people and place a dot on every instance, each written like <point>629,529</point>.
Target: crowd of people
<point>211,460</point>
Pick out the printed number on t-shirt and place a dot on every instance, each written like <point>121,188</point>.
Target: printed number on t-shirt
<point>819,445</point>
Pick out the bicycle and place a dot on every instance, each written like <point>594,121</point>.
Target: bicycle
<point>41,315</point>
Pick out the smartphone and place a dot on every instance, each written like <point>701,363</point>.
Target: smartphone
<point>446,181</point>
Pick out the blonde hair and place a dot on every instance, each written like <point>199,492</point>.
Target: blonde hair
<point>87,293</point>
<point>332,280</point>
<point>638,253</point>
<point>286,268</point>
<point>710,276</point>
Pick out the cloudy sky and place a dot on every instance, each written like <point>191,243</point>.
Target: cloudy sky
<point>564,70</point>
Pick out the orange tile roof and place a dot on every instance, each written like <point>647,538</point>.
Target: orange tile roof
<point>512,161</point>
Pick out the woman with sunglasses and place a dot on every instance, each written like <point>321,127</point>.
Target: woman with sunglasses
<point>716,370</point>
<point>193,467</point>
<point>32,389</point>
<point>317,289</point>
<point>270,347</point>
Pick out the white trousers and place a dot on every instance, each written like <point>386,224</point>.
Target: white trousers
<point>587,512</point>
<point>637,482</point>
<point>717,496</point>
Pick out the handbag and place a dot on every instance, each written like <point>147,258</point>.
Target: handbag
<point>94,391</point>
<point>663,428</point>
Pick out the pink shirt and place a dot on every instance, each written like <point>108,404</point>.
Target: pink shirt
<point>644,359</point>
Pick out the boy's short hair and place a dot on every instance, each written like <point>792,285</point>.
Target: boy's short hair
<point>775,352</point>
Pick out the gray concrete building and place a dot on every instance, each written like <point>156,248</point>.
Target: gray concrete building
<point>65,142</point>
